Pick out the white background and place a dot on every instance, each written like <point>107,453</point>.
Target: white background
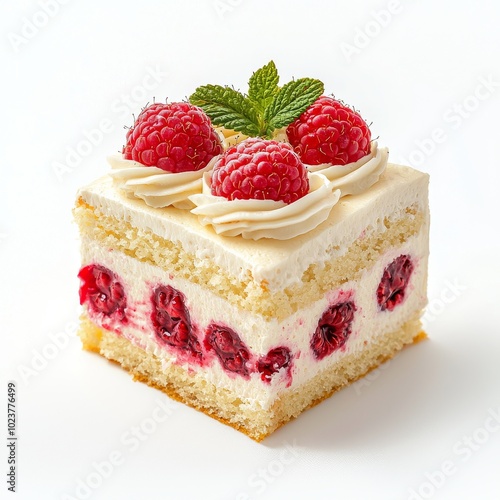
<point>426,74</point>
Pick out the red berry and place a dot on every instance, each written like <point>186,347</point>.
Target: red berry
<point>176,137</point>
<point>329,132</point>
<point>275,360</point>
<point>392,287</point>
<point>262,170</point>
<point>233,354</point>
<point>333,330</point>
<point>171,321</point>
<point>102,289</point>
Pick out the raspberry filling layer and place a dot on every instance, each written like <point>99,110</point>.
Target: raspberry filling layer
<point>172,322</point>
<point>392,287</point>
<point>103,291</point>
<point>333,330</point>
<point>233,354</point>
<point>275,360</point>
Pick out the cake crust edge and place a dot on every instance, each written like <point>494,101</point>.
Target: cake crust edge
<point>255,424</point>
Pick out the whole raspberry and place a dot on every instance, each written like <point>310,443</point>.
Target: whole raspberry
<point>262,170</point>
<point>329,132</point>
<point>176,137</point>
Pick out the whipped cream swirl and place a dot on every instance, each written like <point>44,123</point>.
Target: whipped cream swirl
<point>356,177</point>
<point>252,219</point>
<point>256,219</point>
<point>155,186</point>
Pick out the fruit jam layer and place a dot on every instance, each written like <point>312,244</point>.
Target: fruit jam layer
<point>247,273</point>
<point>183,323</point>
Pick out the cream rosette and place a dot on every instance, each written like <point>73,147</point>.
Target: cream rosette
<point>256,219</point>
<point>155,186</point>
<point>356,177</point>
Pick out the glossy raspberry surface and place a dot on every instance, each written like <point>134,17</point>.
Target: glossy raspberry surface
<point>102,289</point>
<point>329,132</point>
<point>262,170</point>
<point>176,137</point>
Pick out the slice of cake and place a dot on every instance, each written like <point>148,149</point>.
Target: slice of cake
<point>252,270</point>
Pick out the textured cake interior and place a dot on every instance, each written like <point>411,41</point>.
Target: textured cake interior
<point>254,297</point>
<point>248,295</point>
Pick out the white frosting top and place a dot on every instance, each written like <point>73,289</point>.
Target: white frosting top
<point>255,219</point>
<point>155,186</point>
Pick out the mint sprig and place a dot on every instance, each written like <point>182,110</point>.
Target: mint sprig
<point>267,106</point>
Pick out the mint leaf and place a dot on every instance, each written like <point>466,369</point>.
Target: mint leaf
<point>228,108</point>
<point>267,106</point>
<point>291,101</point>
<point>263,85</point>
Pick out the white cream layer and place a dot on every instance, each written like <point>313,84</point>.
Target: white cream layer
<point>258,334</point>
<point>279,263</point>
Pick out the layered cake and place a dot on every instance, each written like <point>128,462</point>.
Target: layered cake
<point>251,254</point>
